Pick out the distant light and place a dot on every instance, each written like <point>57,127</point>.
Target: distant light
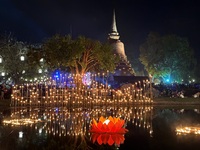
<point>40,130</point>
<point>1,59</point>
<point>42,60</point>
<point>23,71</point>
<point>3,74</point>
<point>57,75</point>
<point>40,71</point>
<point>20,134</point>
<point>86,80</point>
<point>22,58</point>
<point>167,80</point>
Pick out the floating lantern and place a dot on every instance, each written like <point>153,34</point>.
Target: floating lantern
<point>108,131</point>
<point>110,125</point>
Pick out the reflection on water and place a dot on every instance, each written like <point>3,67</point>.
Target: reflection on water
<point>63,128</point>
<point>188,130</point>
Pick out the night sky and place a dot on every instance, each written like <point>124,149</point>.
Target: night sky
<point>34,20</point>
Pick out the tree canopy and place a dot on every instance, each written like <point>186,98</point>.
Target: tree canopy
<point>168,57</point>
<point>11,50</point>
<point>78,55</point>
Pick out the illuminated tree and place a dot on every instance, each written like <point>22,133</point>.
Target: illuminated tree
<point>14,60</point>
<point>168,57</point>
<point>78,56</point>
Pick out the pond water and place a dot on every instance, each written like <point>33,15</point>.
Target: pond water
<point>149,127</point>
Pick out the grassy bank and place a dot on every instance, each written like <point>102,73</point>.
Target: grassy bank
<point>168,100</point>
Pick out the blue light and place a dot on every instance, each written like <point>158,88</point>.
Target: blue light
<point>56,110</point>
<point>57,75</point>
<point>167,80</point>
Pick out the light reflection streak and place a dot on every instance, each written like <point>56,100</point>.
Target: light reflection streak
<point>74,122</point>
<point>17,122</point>
<point>188,130</point>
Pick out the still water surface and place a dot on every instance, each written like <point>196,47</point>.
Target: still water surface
<point>61,128</point>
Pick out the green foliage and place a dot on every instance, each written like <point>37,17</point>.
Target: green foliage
<point>75,55</point>
<point>169,56</point>
<point>11,50</point>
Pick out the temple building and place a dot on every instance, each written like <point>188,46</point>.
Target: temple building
<point>124,73</point>
<point>123,68</point>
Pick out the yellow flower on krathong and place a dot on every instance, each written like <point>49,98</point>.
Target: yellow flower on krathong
<point>109,125</point>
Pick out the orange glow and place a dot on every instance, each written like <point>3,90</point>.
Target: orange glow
<point>110,125</point>
<point>108,131</point>
<point>188,130</point>
<point>109,139</point>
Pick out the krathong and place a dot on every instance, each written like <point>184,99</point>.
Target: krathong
<point>108,130</point>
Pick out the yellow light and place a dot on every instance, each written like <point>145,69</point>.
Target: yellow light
<point>106,121</point>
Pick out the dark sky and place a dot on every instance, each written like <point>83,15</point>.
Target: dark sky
<point>34,20</point>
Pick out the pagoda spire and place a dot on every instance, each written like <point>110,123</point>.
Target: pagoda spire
<point>114,34</point>
<point>114,26</point>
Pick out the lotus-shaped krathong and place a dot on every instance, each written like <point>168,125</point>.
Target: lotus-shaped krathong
<point>108,131</point>
<point>109,125</point>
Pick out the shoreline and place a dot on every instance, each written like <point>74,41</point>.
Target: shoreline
<point>156,101</point>
<point>176,101</point>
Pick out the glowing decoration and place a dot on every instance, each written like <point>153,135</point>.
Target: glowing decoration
<point>42,60</point>
<point>22,58</point>
<point>1,59</point>
<point>188,130</point>
<point>110,125</point>
<point>63,89</point>
<point>108,131</point>
<point>40,71</point>
<point>40,130</point>
<point>20,134</point>
<point>3,74</point>
<point>87,79</point>
<point>57,75</point>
